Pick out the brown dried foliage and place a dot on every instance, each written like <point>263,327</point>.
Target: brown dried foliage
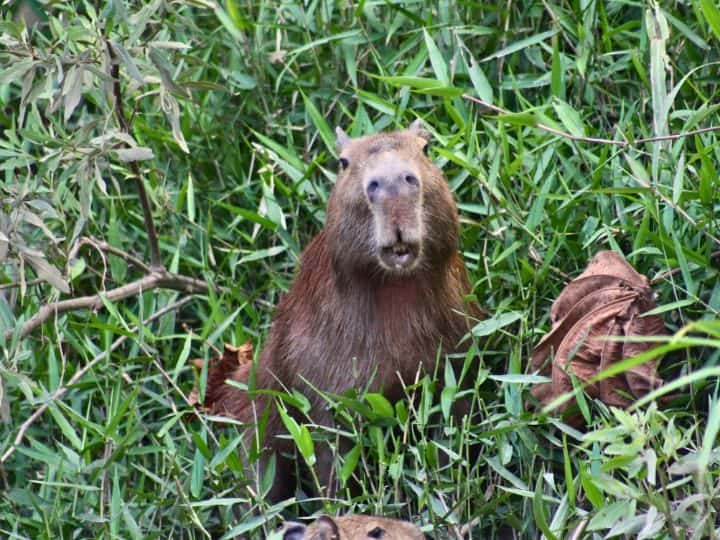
<point>234,364</point>
<point>607,300</point>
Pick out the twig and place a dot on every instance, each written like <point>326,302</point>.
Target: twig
<point>158,279</point>
<point>654,189</point>
<point>596,140</point>
<point>100,245</point>
<point>675,136</point>
<point>669,273</point>
<point>15,284</point>
<point>155,259</point>
<point>60,391</point>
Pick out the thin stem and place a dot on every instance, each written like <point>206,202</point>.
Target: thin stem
<point>155,280</point>
<point>597,140</point>
<point>155,259</point>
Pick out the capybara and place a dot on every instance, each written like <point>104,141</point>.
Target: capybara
<point>379,290</point>
<point>352,527</point>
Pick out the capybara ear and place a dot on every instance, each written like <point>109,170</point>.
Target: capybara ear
<point>342,139</point>
<point>292,530</point>
<point>418,128</point>
<point>327,529</point>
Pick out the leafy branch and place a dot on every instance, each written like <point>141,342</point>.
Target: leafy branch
<point>155,274</point>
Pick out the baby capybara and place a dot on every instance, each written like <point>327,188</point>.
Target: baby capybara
<point>352,527</point>
<point>378,291</point>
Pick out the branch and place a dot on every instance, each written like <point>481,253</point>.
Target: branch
<point>60,391</point>
<point>104,246</point>
<point>15,284</point>
<point>155,259</point>
<point>595,140</point>
<point>158,279</point>
<point>669,273</point>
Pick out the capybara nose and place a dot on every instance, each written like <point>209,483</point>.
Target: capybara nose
<point>391,184</point>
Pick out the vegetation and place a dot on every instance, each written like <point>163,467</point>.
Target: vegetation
<point>589,133</point>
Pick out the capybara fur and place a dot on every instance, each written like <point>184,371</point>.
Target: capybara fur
<point>379,290</point>
<point>352,527</point>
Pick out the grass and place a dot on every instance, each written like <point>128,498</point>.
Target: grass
<point>237,104</point>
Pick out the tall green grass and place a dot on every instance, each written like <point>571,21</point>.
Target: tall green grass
<point>232,110</point>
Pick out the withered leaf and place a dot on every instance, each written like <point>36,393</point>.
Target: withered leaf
<point>607,300</point>
<point>221,398</point>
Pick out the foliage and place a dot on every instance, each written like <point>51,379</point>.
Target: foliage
<point>223,115</point>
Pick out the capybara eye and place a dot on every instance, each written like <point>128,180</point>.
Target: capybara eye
<point>411,179</point>
<point>425,148</point>
<point>344,163</point>
<point>377,532</point>
<point>372,186</point>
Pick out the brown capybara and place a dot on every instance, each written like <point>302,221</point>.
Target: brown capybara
<point>352,527</point>
<point>378,291</point>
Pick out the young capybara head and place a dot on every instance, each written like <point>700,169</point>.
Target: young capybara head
<point>391,210</point>
<point>352,527</point>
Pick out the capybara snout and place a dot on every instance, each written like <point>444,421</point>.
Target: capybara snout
<point>393,188</point>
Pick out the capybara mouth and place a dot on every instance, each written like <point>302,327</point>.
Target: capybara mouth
<point>399,256</point>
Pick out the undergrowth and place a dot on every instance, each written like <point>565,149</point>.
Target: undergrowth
<point>589,134</point>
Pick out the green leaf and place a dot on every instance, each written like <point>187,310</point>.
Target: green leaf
<point>65,427</point>
<point>262,254</point>
<point>46,271</point>
<point>72,90</point>
<point>436,59</point>
<point>557,87</point>
<point>539,511</point>
<point>350,463</point>
<point>447,396</point>
<point>240,22</point>
<point>520,45</point>
<point>712,15</point>
<point>519,119</point>
<point>380,405</point>
<point>569,117</point>
<point>197,474</point>
<point>591,491</point>
<point>306,446</point>
<point>15,71</point>
<point>496,322</point>
<point>322,127</point>
<point>710,437</point>
<point>480,82</point>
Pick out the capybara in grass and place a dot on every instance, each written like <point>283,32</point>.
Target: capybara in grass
<point>352,527</point>
<point>379,290</point>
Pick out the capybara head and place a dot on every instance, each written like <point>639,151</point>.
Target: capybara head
<point>352,527</point>
<point>391,209</point>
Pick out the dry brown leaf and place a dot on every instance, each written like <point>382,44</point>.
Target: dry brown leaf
<point>235,363</point>
<point>607,299</point>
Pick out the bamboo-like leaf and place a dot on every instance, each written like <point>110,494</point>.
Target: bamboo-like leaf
<point>712,15</point>
<point>47,272</point>
<point>139,153</point>
<point>72,90</point>
<point>436,60</point>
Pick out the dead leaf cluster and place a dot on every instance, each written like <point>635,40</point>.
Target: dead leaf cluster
<point>594,321</point>
<point>220,397</point>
